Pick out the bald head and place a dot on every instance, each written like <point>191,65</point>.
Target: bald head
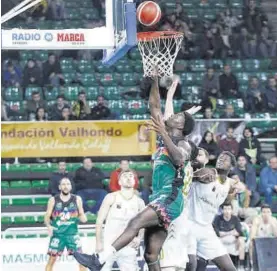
<point>273,163</point>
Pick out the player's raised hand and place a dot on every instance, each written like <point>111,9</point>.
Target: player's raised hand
<point>193,110</point>
<point>172,89</point>
<point>51,229</point>
<point>156,124</point>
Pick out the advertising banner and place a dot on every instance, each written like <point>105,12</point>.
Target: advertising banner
<point>57,39</point>
<point>30,254</point>
<point>76,139</point>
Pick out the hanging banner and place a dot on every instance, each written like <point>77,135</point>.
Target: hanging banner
<point>75,139</point>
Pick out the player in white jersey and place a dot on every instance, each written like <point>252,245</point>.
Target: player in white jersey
<point>117,210</point>
<point>209,190</point>
<point>173,256</point>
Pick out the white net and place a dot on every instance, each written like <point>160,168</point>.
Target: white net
<point>159,49</point>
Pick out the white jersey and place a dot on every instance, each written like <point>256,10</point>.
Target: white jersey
<point>204,200</point>
<point>121,212</point>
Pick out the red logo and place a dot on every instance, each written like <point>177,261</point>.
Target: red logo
<point>71,37</point>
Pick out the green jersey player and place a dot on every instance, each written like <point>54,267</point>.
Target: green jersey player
<point>64,211</point>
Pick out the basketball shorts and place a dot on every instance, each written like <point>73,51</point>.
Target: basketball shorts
<point>174,251</point>
<point>58,243</point>
<point>203,242</point>
<point>126,259</point>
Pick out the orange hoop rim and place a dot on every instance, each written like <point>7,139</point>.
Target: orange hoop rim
<point>154,35</point>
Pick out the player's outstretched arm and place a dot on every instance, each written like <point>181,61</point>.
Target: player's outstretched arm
<point>82,216</point>
<point>101,217</point>
<point>169,108</point>
<point>48,214</point>
<point>154,99</point>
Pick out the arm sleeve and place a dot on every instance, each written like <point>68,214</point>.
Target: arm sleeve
<point>264,180</point>
<point>136,181</point>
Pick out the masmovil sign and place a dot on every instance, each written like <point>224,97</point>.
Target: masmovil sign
<point>30,254</point>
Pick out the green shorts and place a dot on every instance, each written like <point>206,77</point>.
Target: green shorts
<point>58,243</point>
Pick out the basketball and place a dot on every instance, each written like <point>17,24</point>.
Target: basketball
<point>149,13</point>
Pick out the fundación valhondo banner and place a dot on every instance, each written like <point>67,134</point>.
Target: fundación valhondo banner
<point>76,138</point>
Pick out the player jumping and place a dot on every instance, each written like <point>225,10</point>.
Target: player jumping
<point>117,210</point>
<point>209,190</point>
<point>167,181</point>
<point>61,219</point>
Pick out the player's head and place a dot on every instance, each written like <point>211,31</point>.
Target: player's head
<point>201,160</point>
<point>266,212</point>
<point>181,121</point>
<point>225,161</point>
<point>227,210</point>
<point>127,179</point>
<point>65,186</point>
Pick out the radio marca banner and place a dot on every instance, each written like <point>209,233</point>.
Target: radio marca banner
<point>78,138</point>
<point>57,39</point>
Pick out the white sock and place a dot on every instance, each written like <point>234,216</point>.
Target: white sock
<point>106,254</point>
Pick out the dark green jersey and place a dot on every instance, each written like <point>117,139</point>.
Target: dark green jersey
<point>65,216</point>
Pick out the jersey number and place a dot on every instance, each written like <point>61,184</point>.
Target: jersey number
<point>55,242</point>
<point>65,216</point>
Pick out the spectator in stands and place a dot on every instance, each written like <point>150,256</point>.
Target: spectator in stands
<point>80,108</point>
<point>34,104</point>
<point>32,74</point>
<point>229,113</point>
<point>250,147</point>
<point>114,185</point>
<point>255,96</point>
<point>66,114</point>
<point>263,226</point>
<point>266,45</point>
<point>269,180</point>
<point>57,9</point>
<point>52,72</point>
<point>210,84</point>
<point>228,83</point>
<point>41,115</point>
<point>230,20</point>
<point>89,185</point>
<point>208,125</point>
<point>271,95</point>
<point>244,47</point>
<point>100,111</point>
<point>229,229</point>
<point>55,111</point>
<point>227,40</point>
<point>208,45</point>
<point>189,48</point>
<point>247,175</point>
<point>208,143</point>
<point>7,112</point>
<point>12,76</point>
<point>253,18</point>
<point>229,143</point>
<point>57,176</point>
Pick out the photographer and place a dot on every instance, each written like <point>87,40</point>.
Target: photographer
<point>81,109</point>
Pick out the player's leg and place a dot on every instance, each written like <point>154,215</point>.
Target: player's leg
<point>147,218</point>
<point>153,241</point>
<point>73,243</point>
<point>56,248</point>
<point>50,263</point>
<point>224,263</point>
<point>192,264</point>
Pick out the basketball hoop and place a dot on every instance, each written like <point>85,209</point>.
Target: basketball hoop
<point>159,49</point>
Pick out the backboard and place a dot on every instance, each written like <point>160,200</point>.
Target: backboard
<point>115,38</point>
